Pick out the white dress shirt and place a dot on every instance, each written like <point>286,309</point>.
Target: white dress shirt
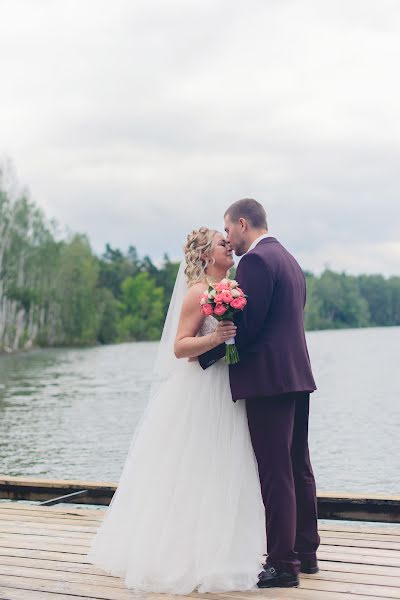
<point>254,244</point>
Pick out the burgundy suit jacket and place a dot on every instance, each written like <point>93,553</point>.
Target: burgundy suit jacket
<point>270,337</point>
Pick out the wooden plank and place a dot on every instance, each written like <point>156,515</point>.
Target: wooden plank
<point>7,593</point>
<point>45,554</point>
<point>95,515</point>
<point>60,517</point>
<point>385,591</point>
<point>35,519</point>
<point>349,588</point>
<point>107,581</point>
<point>36,568</point>
<point>8,524</point>
<point>94,524</point>
<point>47,532</point>
<point>360,536</point>
<point>365,543</point>
<point>316,591</point>
<point>67,576</point>
<point>285,594</point>
<point>41,542</point>
<point>64,508</point>
<point>292,594</point>
<point>390,529</point>
<point>351,567</point>
<point>364,578</point>
<point>92,515</point>
<point>358,496</point>
<point>54,565</point>
<point>64,587</point>
<point>374,507</point>
<point>345,557</point>
<point>56,514</point>
<point>56,484</point>
<point>355,505</point>
<point>84,538</point>
<point>27,488</point>
<point>361,551</point>
<point>61,511</point>
<point>11,545</point>
<point>56,517</point>
<point>75,567</point>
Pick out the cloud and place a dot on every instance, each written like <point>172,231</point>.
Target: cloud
<point>136,122</point>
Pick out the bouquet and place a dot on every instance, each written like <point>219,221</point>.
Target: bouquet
<point>222,300</point>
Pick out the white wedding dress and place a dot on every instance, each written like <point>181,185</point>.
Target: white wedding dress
<point>188,513</point>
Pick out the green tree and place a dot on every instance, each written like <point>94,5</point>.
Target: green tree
<point>142,307</point>
<point>312,318</point>
<point>165,278</point>
<point>76,290</point>
<point>377,293</point>
<point>394,288</point>
<point>336,302</point>
<point>108,315</point>
<point>114,267</point>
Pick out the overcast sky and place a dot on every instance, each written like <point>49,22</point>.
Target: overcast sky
<point>137,121</point>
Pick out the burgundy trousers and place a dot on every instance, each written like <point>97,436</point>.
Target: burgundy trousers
<point>279,433</point>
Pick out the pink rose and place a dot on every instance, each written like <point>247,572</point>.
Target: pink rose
<point>207,309</point>
<point>218,299</point>
<point>220,310</point>
<point>239,303</point>
<point>241,292</point>
<point>226,296</point>
<point>219,287</point>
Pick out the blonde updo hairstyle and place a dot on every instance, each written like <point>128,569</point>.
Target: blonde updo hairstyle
<point>197,251</point>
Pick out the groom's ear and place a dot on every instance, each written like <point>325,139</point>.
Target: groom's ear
<point>243,224</point>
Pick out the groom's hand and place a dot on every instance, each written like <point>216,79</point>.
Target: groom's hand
<point>224,331</point>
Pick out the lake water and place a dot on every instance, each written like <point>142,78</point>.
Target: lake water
<point>71,413</point>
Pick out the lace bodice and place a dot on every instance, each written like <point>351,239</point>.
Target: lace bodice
<point>209,325</point>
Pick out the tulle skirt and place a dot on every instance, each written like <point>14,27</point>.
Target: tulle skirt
<point>188,513</point>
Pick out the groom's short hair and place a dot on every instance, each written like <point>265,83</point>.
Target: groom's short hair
<point>248,209</point>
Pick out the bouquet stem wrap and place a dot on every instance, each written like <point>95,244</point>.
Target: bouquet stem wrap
<point>231,353</point>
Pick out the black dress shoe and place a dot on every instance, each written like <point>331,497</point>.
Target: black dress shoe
<point>309,566</point>
<point>269,577</point>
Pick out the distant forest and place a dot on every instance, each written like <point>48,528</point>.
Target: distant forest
<point>59,292</point>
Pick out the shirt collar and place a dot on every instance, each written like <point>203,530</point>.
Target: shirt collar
<point>254,244</point>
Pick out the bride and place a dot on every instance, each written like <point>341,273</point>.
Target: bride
<point>188,513</point>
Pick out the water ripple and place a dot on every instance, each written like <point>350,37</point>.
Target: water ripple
<point>71,413</point>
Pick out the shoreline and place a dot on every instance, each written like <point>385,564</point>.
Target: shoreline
<point>7,351</point>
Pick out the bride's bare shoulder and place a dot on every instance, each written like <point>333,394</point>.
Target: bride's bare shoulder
<point>194,292</point>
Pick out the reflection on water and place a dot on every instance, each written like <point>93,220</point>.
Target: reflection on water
<point>71,413</point>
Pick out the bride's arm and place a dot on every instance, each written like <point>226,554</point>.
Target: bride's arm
<point>187,345</point>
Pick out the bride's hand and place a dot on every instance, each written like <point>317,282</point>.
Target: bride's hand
<point>224,331</point>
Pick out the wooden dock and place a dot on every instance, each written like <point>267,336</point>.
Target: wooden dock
<point>382,508</point>
<point>43,557</point>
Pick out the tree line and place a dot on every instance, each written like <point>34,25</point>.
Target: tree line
<point>339,300</point>
<point>59,292</point>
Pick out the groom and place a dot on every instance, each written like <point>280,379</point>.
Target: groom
<point>274,377</point>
